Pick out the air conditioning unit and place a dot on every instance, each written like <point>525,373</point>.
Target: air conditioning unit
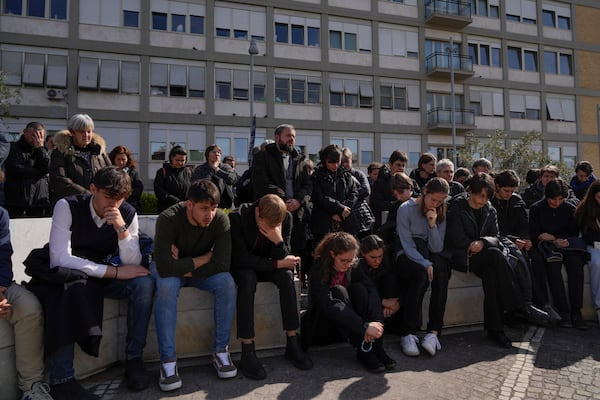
<point>56,94</point>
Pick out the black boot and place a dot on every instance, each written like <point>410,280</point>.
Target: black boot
<point>387,361</point>
<point>295,354</point>
<point>249,363</point>
<point>71,390</point>
<point>369,360</point>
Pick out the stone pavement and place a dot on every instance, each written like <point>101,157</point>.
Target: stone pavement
<point>544,363</point>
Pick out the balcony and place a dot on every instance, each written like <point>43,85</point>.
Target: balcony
<point>440,120</point>
<point>437,65</point>
<point>448,14</point>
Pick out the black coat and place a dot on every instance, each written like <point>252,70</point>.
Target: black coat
<point>224,179</point>
<point>171,185</point>
<point>382,198</point>
<point>332,192</point>
<point>268,178</point>
<point>27,179</point>
<point>462,229</point>
<point>512,217</point>
<point>244,235</point>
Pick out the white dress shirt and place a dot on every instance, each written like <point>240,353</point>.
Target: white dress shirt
<point>60,242</point>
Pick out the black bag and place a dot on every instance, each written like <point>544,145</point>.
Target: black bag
<point>37,265</point>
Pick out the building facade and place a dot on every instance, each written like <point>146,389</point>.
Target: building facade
<point>371,75</point>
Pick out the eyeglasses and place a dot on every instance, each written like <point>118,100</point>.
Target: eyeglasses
<point>347,261</point>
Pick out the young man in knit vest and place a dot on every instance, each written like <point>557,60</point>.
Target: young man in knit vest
<point>193,248</point>
<point>88,232</point>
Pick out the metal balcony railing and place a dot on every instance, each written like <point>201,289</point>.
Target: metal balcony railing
<point>448,7</point>
<point>442,60</point>
<point>443,116</point>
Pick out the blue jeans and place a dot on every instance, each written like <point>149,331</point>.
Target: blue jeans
<point>223,288</point>
<point>594,266</point>
<point>140,293</point>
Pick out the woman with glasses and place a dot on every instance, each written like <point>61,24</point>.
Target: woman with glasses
<point>344,303</point>
<point>334,193</point>
<point>421,227</point>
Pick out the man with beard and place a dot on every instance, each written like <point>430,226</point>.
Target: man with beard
<point>278,170</point>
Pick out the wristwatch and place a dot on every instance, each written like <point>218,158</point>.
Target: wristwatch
<point>123,229</point>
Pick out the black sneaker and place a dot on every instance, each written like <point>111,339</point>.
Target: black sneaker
<point>534,315</point>
<point>387,361</point>
<point>71,390</point>
<point>578,322</point>
<point>369,360</point>
<point>136,375</point>
<point>552,313</point>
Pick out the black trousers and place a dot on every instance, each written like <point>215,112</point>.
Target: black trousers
<point>357,297</point>
<point>574,266</point>
<point>246,280</point>
<point>539,277</point>
<point>414,285</point>
<point>500,293</point>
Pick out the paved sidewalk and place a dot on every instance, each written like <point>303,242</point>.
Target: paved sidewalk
<point>543,364</point>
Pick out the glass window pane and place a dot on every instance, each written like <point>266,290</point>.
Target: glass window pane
<point>350,41</point>
<point>385,98</point>
<point>335,39</point>
<point>131,19</point>
<point>223,90</point>
<point>554,153</point>
<point>564,22</point>
<point>281,32</point>
<point>159,21</point>
<point>282,91</point>
<point>352,144</point>
<point>313,36</point>
<point>158,150</point>
<point>177,23</point>
<point>496,57</point>
<point>314,93</point>
<point>532,114</point>
<point>36,8</point>
<point>297,91</point>
<point>225,145</point>
<point>197,24</point>
<point>58,9</point>
<point>473,53</point>
<point>494,12</point>
<point>565,64</point>
<point>484,54</point>
<point>297,34</point>
<point>13,7</point>
<point>514,58</point>
<point>548,18</point>
<point>366,157</point>
<point>550,62</point>
<point>335,99</point>
<point>530,60</point>
<point>241,149</point>
<point>223,32</point>
<point>482,8</point>
<point>239,34</point>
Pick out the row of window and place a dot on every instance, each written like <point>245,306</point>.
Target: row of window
<point>516,10</point>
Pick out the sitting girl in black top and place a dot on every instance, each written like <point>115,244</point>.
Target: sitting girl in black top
<point>344,301</point>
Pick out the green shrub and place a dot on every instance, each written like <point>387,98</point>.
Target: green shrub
<point>148,203</point>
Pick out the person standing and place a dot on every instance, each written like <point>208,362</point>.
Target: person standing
<point>277,169</point>
<point>121,157</point>
<point>193,248</point>
<point>27,191</point>
<point>22,310</point>
<point>79,154</point>
<point>173,180</point>
<point>221,174</point>
<point>260,234</point>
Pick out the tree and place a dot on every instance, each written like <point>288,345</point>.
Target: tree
<point>518,154</point>
<point>8,97</point>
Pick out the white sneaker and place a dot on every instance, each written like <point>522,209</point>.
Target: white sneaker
<point>224,365</point>
<point>38,391</point>
<point>169,383</point>
<point>431,343</point>
<point>409,345</point>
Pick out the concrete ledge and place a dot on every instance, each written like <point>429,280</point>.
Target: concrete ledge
<point>194,317</point>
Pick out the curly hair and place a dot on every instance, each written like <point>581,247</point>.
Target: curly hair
<point>336,243</point>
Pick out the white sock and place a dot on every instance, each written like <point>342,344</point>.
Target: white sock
<point>169,368</point>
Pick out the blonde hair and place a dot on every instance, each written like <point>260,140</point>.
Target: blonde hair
<point>272,209</point>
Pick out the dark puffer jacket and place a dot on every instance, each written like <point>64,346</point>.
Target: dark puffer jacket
<point>513,221</point>
<point>27,180</point>
<point>331,193</point>
<point>70,172</point>
<point>224,179</point>
<point>171,185</point>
